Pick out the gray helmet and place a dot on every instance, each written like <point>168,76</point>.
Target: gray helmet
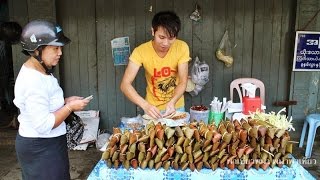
<point>40,32</point>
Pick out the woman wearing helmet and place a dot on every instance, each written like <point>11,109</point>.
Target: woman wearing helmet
<point>41,140</point>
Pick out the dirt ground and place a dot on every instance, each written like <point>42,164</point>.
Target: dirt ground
<point>83,162</point>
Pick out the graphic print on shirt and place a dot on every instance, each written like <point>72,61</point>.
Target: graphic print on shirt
<point>163,83</point>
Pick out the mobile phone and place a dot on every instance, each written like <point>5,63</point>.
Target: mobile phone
<point>89,97</point>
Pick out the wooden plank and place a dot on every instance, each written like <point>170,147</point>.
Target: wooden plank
<point>313,85</point>
<point>18,12</point>
<point>4,13</point>
<point>151,5</point>
<point>230,26</point>
<point>266,51</point>
<point>298,111</point>
<point>292,110</point>
<point>196,51</point>
<point>197,38</point>
<point>74,48</point>
<point>83,46</point>
<point>248,21</point>
<point>119,70</point>
<point>87,53</point>
<point>63,19</point>
<point>257,40</point>
<point>317,19</point>
<point>317,104</point>
<point>41,9</point>
<point>141,11</point>
<point>183,8</point>
<point>146,22</point>
<point>129,30</point>
<point>207,48</point>
<point>103,81</point>
<point>111,98</point>
<point>286,46</point>
<point>219,27</point>
<point>161,5</point>
<point>275,55</point>
<point>92,58</point>
<point>106,72</point>
<point>238,51</point>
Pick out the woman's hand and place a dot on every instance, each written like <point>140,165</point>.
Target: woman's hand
<point>78,104</point>
<point>72,98</point>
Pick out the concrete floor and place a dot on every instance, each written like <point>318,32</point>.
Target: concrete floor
<point>82,162</point>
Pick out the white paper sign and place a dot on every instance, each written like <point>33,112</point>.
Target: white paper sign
<point>120,50</point>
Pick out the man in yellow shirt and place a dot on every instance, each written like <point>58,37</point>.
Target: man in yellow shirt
<point>165,60</point>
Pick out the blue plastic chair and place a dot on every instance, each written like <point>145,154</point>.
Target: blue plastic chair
<point>314,123</point>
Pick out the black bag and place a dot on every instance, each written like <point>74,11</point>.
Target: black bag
<point>75,129</point>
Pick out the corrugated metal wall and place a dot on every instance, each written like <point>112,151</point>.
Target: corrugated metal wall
<point>261,30</point>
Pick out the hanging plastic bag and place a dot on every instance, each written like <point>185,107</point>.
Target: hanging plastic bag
<point>199,75</point>
<point>224,52</point>
<point>200,72</point>
<point>190,85</point>
<point>195,15</point>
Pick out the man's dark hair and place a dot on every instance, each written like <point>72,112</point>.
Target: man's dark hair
<point>168,20</point>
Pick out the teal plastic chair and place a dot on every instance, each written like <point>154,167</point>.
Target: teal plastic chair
<point>314,122</point>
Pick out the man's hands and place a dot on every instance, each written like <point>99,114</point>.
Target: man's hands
<point>152,111</point>
<point>170,109</point>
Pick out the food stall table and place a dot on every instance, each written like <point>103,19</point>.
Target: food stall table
<point>102,172</point>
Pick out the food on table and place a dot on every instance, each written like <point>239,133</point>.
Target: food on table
<point>199,108</point>
<point>241,144</point>
<point>179,115</point>
<point>174,116</point>
<point>147,117</point>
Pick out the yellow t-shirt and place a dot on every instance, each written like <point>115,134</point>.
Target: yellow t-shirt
<point>161,73</point>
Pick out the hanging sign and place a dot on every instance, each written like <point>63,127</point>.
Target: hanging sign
<point>307,51</point>
<point>120,50</point>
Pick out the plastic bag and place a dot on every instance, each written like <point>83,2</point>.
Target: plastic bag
<point>224,52</point>
<point>102,140</point>
<point>75,130</point>
<point>135,123</point>
<point>199,76</point>
<point>196,90</point>
<point>190,85</point>
<point>195,15</point>
<point>200,72</point>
